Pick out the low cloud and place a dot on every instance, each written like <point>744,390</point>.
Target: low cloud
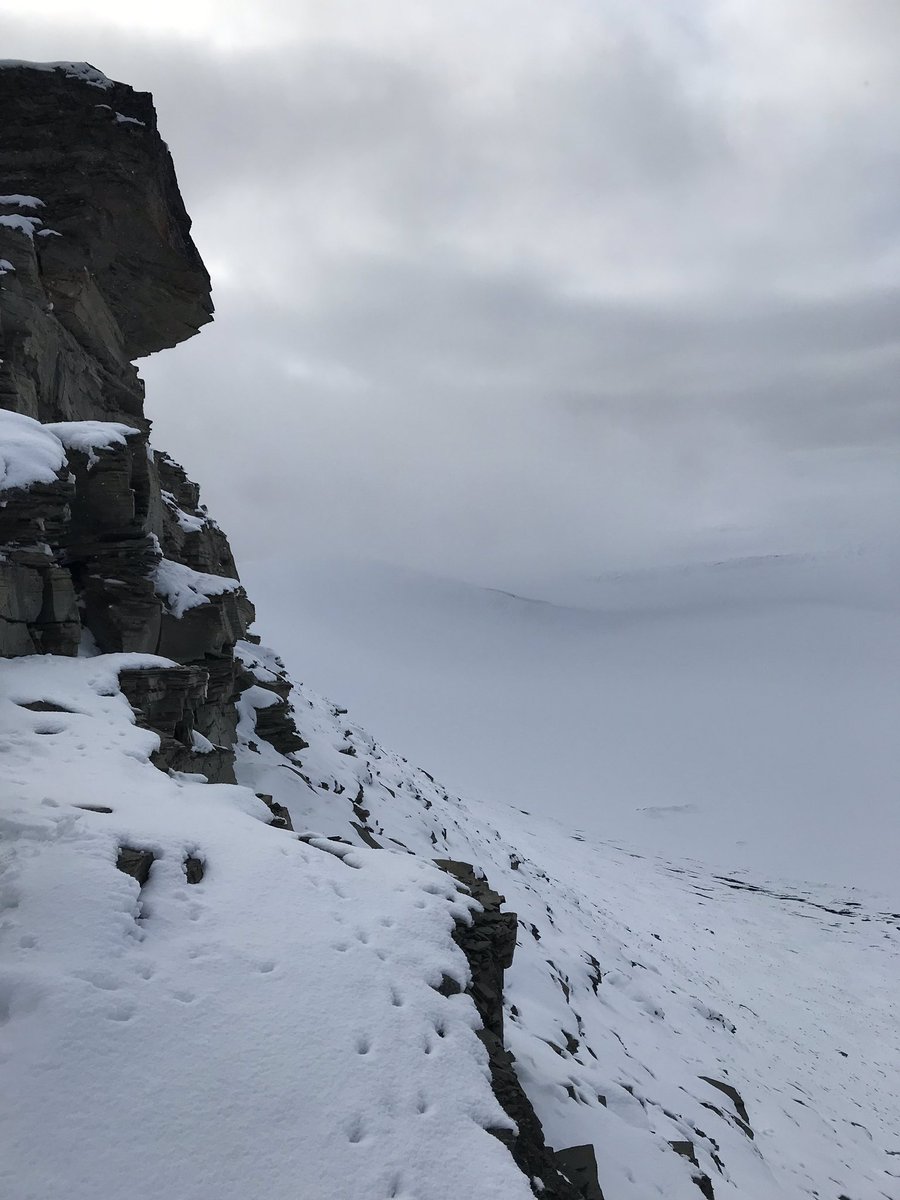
<point>615,283</point>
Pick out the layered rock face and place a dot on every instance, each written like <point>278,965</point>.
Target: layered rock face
<point>111,543</point>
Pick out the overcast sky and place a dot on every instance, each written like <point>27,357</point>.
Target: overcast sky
<point>508,287</point>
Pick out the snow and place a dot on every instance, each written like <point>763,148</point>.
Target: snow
<point>72,70</point>
<point>639,979</point>
<point>183,588</point>
<point>742,714</point>
<point>123,120</point>
<point>279,1022</point>
<point>29,453</point>
<point>88,437</point>
<point>19,201</point>
<point>274,1027</point>
<point>26,225</point>
<point>33,453</point>
<point>189,522</point>
<point>6,266</point>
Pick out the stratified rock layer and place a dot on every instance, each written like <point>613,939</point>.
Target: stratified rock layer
<point>97,268</point>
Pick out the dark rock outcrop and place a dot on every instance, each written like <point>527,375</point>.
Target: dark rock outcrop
<point>489,944</point>
<point>123,277</point>
<point>136,863</point>
<point>97,268</point>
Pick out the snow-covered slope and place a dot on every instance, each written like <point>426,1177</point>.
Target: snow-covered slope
<point>642,990</point>
<point>272,1029</point>
<point>275,1029</point>
<point>741,713</point>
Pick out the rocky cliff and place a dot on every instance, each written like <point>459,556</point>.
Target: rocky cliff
<point>107,543</point>
<point>105,547</point>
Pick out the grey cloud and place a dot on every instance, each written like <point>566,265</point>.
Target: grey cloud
<point>630,293</point>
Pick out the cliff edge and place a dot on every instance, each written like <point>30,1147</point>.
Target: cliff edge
<point>107,555</point>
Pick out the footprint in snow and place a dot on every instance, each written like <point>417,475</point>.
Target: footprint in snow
<point>121,1012</point>
<point>103,981</point>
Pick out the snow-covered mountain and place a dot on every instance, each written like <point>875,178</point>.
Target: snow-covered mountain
<point>739,713</point>
<point>247,951</point>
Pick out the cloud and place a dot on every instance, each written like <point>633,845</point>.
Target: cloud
<point>513,290</point>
